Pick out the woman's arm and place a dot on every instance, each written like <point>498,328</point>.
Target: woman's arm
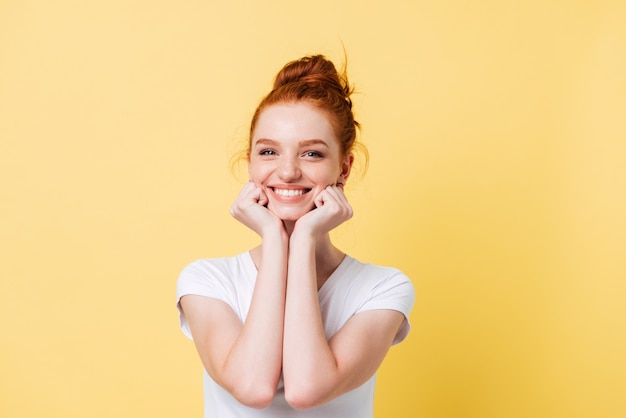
<point>246,359</point>
<point>317,370</point>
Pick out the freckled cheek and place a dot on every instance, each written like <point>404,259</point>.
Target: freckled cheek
<point>259,174</point>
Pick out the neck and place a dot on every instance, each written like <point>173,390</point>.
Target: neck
<point>327,256</point>
<point>327,259</point>
<point>289,226</point>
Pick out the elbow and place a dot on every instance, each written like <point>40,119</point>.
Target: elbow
<point>304,398</point>
<point>255,396</point>
<point>256,401</point>
<point>301,403</point>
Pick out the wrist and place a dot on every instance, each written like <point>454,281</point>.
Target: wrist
<point>302,238</point>
<point>275,236</point>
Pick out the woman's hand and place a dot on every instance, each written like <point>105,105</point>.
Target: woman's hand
<point>331,210</point>
<point>249,209</point>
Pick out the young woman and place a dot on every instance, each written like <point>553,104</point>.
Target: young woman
<point>294,327</point>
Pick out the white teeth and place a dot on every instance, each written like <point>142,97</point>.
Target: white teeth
<point>288,193</point>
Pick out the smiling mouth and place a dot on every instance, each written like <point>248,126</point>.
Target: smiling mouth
<point>290,192</point>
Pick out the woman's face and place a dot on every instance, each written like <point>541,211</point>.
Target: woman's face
<point>295,155</point>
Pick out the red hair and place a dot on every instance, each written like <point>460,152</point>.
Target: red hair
<point>315,80</point>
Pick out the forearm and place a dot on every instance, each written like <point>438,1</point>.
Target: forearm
<point>252,367</point>
<point>309,367</point>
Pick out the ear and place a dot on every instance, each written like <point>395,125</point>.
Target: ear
<point>346,167</point>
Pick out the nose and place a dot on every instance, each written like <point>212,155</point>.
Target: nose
<point>289,169</point>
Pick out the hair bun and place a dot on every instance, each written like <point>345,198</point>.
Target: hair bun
<point>314,71</point>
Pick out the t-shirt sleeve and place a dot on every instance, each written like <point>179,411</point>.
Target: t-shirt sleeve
<point>395,292</point>
<point>203,279</point>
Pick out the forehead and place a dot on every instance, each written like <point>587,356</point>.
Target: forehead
<point>294,122</point>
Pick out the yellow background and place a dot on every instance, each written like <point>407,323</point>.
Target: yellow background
<point>497,183</point>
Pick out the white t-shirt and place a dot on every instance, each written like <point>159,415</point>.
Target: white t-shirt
<point>353,287</point>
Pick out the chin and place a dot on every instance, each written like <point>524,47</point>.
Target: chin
<point>288,214</point>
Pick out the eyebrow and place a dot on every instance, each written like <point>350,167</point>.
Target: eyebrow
<point>310,142</point>
<point>303,143</point>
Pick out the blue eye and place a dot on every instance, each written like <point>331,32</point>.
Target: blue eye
<point>313,154</point>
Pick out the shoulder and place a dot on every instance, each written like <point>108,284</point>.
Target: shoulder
<point>372,275</point>
<point>359,287</point>
<point>381,286</point>
<point>218,278</point>
<point>207,273</point>
<point>208,265</point>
